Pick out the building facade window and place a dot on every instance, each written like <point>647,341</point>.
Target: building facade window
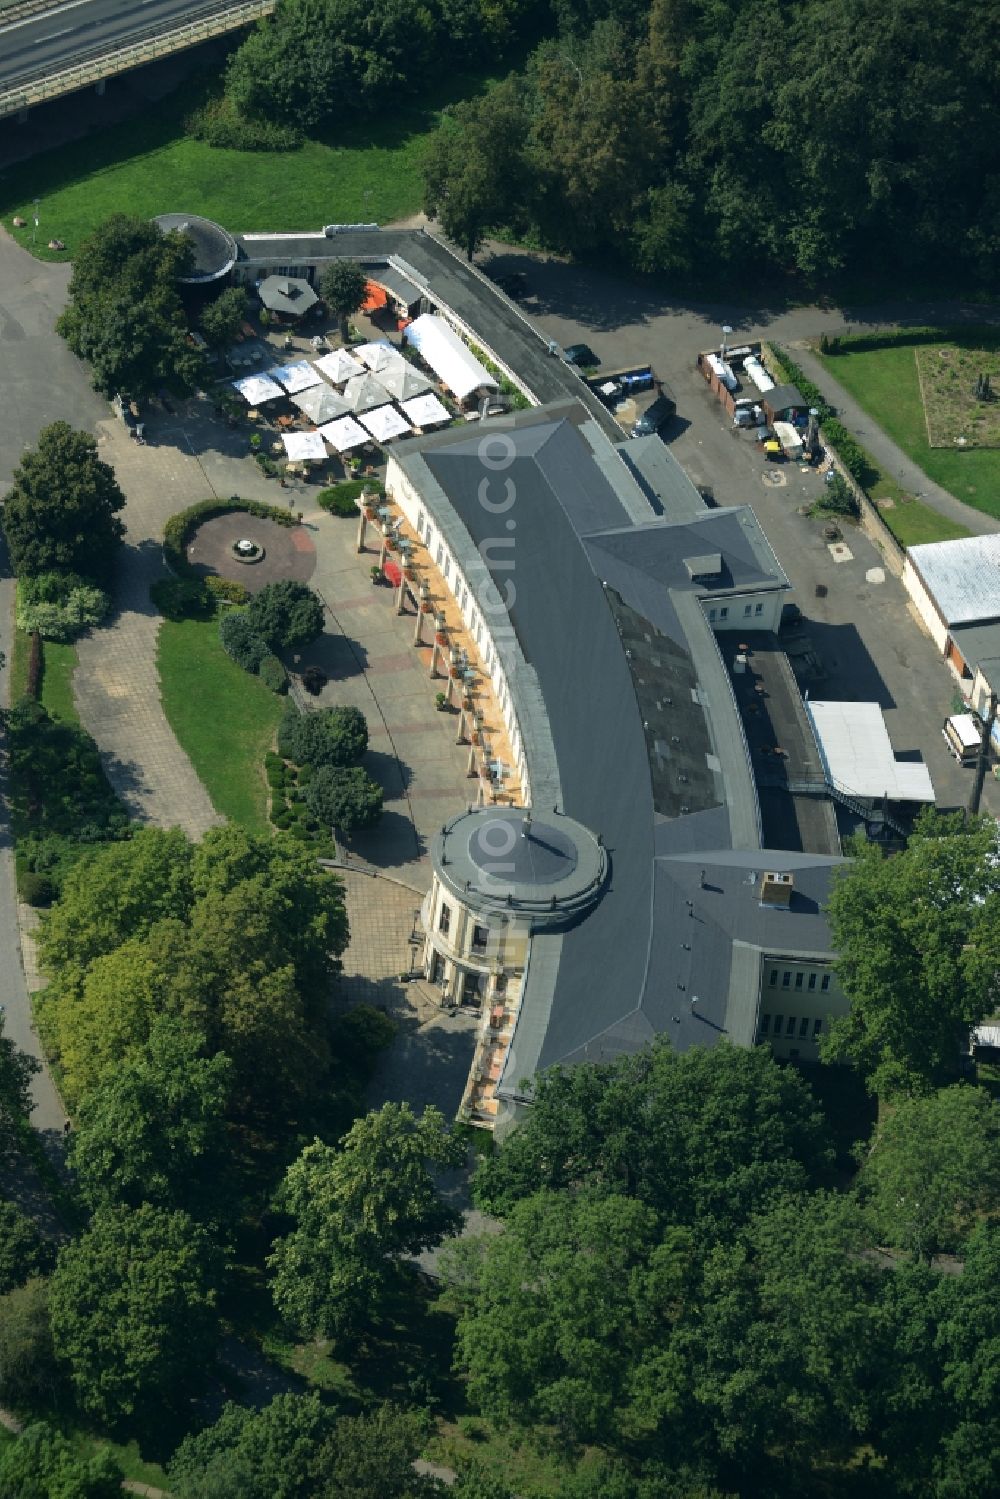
<point>790,1026</point>
<point>774,977</point>
<point>765,1024</point>
<point>826,982</point>
<point>746,611</point>
<point>786,979</point>
<point>444,919</point>
<point>812,981</point>
<point>758,609</point>
<point>724,612</point>
<point>480,938</point>
<point>711,616</point>
<point>817,1026</point>
<point>439,554</point>
<point>799,977</point>
<point>803,1027</point>
<point>777,1024</point>
<point>420,522</point>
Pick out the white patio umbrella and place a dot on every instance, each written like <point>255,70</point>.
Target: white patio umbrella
<point>426,411</point>
<point>379,356</point>
<point>257,388</point>
<point>344,434</point>
<point>339,366</point>
<point>364,392</point>
<point>320,403</point>
<point>385,422</point>
<point>300,445</point>
<point>297,376</point>
<point>404,382</point>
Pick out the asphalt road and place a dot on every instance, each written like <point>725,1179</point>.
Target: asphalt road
<point>54,39</point>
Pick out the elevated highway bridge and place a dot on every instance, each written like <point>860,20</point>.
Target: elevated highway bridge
<point>48,48</point>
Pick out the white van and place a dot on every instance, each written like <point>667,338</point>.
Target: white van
<point>791,442</point>
<point>963,736</point>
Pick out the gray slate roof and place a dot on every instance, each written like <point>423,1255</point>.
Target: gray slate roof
<point>611,630</point>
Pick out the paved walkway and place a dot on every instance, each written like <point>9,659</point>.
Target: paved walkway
<point>894,463</point>
<point>369,656</point>
<point>116,686</point>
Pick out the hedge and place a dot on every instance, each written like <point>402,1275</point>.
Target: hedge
<point>181,527</point>
<point>340,499</point>
<point>33,687</point>
<point>851,454</point>
<point>273,674</point>
<point>792,375</point>
<point>889,338</point>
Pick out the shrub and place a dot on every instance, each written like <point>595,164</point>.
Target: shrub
<point>226,589</point>
<point>60,606</point>
<point>220,124</point>
<point>241,641</point>
<point>273,762</point>
<point>286,614</point>
<point>304,775</point>
<point>36,889</point>
<point>60,786</point>
<point>839,497</point>
<point>314,679</point>
<point>273,674</point>
<point>283,819</point>
<point>182,598</point>
<point>340,499</point>
<point>181,527</point>
<point>345,799</point>
<point>330,736</point>
<point>851,454</point>
<point>33,685</point>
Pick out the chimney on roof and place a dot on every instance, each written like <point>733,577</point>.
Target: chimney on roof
<point>776,890</point>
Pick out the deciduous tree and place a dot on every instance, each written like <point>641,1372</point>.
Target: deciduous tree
<point>286,614</point>
<point>344,799</point>
<point>42,1464</point>
<point>933,1170</point>
<point>62,513</point>
<point>357,1210</point>
<point>132,1304</point>
<point>343,286</point>
<point>329,736</point>
<point>917,938</point>
<point>222,318</point>
<point>273,1453</point>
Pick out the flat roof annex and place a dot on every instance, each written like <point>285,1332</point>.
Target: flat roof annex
<point>962,577</point>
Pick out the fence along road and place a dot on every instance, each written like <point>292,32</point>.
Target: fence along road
<point>46,52</point>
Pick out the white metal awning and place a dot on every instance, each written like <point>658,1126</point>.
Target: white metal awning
<point>857,754</point>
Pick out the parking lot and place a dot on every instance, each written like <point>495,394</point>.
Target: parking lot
<point>859,625</point>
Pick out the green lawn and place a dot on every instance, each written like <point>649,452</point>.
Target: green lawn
<point>58,666</point>
<point>353,172</point>
<point>224,718</point>
<point>885,383</point>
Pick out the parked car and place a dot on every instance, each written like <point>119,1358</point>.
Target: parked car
<point>580,354</point>
<point>656,416</point>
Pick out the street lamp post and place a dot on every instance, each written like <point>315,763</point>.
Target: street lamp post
<point>34,220</point>
<point>726,331</point>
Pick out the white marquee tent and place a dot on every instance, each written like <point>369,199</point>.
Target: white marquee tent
<point>339,366</point>
<point>426,411</point>
<point>294,377</point>
<point>440,346</point>
<point>344,433</point>
<point>385,422</point>
<point>300,445</point>
<point>256,389</point>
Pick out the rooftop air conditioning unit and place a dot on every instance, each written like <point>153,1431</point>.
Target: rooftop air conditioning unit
<point>776,890</point>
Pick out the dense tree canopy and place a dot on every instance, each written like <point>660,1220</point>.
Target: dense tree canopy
<point>222,318</point>
<point>23,1253</point>
<point>272,1453</point>
<point>29,1374</point>
<point>16,1071</point>
<point>62,513</point>
<point>933,1170</point>
<point>328,736</point>
<point>749,136</point>
<point>132,1305</point>
<point>42,1464</point>
<point>344,799</point>
<point>357,1210</point>
<point>153,1129</point>
<point>125,315</point>
<point>918,938</point>
<point>705,1138</point>
<point>236,936</point>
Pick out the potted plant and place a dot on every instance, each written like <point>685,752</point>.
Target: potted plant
<point>475,736</point>
<point>426,607</point>
<point>440,701</point>
<point>255,440</point>
<point>409,572</point>
<point>391,543</point>
<point>441,638</point>
<point>455,672</point>
<point>376,573</point>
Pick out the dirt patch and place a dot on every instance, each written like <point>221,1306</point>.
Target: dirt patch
<point>948,376</point>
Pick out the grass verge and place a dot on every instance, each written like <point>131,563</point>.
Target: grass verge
<point>884,381</point>
<point>353,171</point>
<point>224,718</point>
<point>58,665</point>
